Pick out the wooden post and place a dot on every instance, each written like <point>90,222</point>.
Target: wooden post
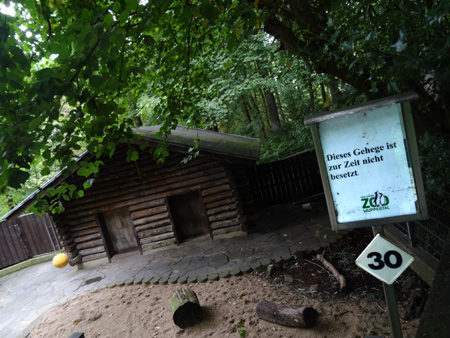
<point>186,308</point>
<point>285,314</point>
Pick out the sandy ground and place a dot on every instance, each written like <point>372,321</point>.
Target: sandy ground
<point>228,307</point>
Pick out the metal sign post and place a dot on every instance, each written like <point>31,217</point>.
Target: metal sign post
<point>369,165</point>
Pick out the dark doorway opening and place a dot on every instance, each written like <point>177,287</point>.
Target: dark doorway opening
<point>118,231</point>
<point>189,216</point>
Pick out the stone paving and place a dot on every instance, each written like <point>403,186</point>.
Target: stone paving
<point>27,294</point>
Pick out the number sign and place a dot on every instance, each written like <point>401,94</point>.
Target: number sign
<point>384,260</point>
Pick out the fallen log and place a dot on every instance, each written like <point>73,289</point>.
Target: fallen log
<point>340,278</point>
<point>186,308</point>
<point>285,314</point>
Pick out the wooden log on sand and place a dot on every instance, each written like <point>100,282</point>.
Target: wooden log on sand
<point>285,314</point>
<point>186,308</point>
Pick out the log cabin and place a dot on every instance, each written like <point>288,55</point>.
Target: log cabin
<point>136,206</point>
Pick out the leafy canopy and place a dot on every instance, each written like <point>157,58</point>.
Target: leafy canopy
<point>73,74</point>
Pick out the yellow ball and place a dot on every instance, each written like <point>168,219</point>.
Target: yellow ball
<point>60,260</point>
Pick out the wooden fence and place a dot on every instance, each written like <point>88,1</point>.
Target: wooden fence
<point>292,179</point>
<point>25,237</point>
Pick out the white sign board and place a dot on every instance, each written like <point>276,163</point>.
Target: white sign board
<point>369,156</point>
<point>369,164</point>
<point>384,260</point>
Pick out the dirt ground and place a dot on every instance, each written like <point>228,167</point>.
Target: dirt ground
<point>228,305</point>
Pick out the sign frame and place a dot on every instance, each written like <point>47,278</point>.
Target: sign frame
<point>411,150</point>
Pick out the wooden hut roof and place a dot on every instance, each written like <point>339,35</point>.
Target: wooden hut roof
<point>234,146</point>
<point>231,146</point>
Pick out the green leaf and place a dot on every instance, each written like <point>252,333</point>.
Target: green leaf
<point>17,178</point>
<point>45,171</point>
<point>34,123</point>
<point>83,172</point>
<point>116,6</point>
<point>80,193</point>
<point>209,12</point>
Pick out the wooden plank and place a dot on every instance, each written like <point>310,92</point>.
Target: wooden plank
<point>158,238</point>
<point>224,224</point>
<point>94,257</point>
<point>157,185</point>
<point>222,209</point>
<point>7,256</point>
<point>152,225</point>
<point>160,244</point>
<point>228,230</point>
<point>91,251</point>
<point>156,231</point>
<point>151,219</point>
<point>87,238</point>
<point>85,232</point>
<point>146,205</point>
<point>149,212</point>
<point>142,196</point>
<point>120,230</point>
<point>223,216</point>
<point>91,244</point>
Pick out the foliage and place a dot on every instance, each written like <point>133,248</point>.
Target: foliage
<point>435,161</point>
<point>75,74</point>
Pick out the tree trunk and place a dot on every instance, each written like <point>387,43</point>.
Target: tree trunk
<point>285,314</point>
<point>273,111</point>
<point>186,308</point>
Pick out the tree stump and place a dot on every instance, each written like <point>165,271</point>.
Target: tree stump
<point>186,308</point>
<point>285,314</point>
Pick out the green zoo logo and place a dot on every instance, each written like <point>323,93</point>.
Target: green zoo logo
<point>377,201</point>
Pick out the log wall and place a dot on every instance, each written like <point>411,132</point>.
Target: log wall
<point>142,187</point>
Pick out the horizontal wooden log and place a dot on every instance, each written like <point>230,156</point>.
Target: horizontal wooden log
<point>224,224</point>
<point>157,245</point>
<point>66,236</point>
<point>63,230</point>
<point>152,225</point>
<point>154,232</point>
<point>220,203</point>
<point>223,231</point>
<point>84,226</point>
<point>70,247</point>
<point>186,309</point>
<point>218,197</point>
<point>152,188</point>
<point>94,257</point>
<point>285,314</point>
<point>216,190</point>
<point>127,200</point>
<point>151,219</point>
<point>74,261</point>
<point>81,220</point>
<point>223,216</point>
<point>157,238</point>
<point>67,242</point>
<point>92,251</point>
<point>72,254</point>
<point>87,238</point>
<point>147,205</point>
<point>90,244</point>
<point>85,232</point>
<point>149,212</point>
<point>222,209</point>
